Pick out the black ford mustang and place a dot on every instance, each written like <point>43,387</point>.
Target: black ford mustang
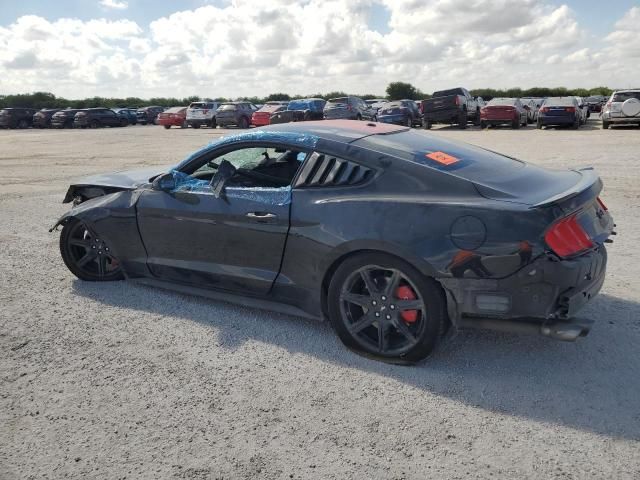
<point>390,233</point>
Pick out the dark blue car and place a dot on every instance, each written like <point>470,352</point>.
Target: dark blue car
<point>400,112</point>
<point>128,113</point>
<point>559,111</point>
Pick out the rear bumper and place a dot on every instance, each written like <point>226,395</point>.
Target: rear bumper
<point>498,121</point>
<point>174,122</point>
<point>627,120</point>
<point>198,121</point>
<point>395,119</point>
<point>544,293</point>
<point>556,120</point>
<point>260,121</point>
<point>340,115</point>
<point>448,115</point>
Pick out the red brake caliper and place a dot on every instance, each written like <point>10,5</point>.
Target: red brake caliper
<point>406,293</point>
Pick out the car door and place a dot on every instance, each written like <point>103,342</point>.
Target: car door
<point>233,242</point>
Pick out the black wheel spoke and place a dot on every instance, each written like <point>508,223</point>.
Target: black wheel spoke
<point>368,281</point>
<point>102,265</point>
<point>363,322</point>
<point>80,242</point>
<point>86,258</point>
<point>357,299</point>
<point>403,305</point>
<point>392,283</point>
<point>382,338</point>
<point>404,330</point>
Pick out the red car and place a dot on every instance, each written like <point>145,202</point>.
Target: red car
<point>174,116</point>
<point>500,111</point>
<point>261,117</point>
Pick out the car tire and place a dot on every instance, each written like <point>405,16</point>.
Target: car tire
<point>243,123</point>
<point>86,256</point>
<point>476,119</point>
<point>427,124</point>
<point>196,125</point>
<point>124,123</point>
<point>94,124</point>
<point>167,127</point>
<point>22,124</point>
<point>372,323</point>
<point>213,122</point>
<point>539,125</point>
<point>409,123</point>
<point>483,124</point>
<point>462,120</point>
<point>605,125</point>
<point>576,124</point>
<point>515,124</point>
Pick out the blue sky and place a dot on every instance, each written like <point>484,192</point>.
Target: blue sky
<point>255,47</point>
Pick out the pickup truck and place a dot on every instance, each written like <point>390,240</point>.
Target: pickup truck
<point>454,106</point>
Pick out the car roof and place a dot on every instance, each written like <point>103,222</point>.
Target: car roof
<point>344,131</point>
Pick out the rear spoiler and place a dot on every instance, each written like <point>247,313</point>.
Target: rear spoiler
<point>589,181</point>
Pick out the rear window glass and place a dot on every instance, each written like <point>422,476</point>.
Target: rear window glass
<point>271,107</point>
<point>174,110</point>
<point>200,105</point>
<point>467,161</point>
<point>445,93</point>
<point>335,101</point>
<point>298,105</point>
<point>227,106</point>
<point>560,101</point>
<point>503,101</point>
<point>624,96</point>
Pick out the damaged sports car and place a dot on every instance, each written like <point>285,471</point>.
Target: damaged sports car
<point>393,235</point>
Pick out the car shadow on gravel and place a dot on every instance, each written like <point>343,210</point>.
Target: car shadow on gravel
<point>590,385</point>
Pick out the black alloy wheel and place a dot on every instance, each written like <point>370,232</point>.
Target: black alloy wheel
<point>87,256</point>
<point>384,308</point>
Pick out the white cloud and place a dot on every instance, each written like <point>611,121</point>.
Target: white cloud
<point>254,48</point>
<point>114,4</point>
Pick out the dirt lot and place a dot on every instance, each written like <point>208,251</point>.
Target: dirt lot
<point>117,380</point>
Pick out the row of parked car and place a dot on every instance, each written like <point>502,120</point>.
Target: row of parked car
<point>454,107</point>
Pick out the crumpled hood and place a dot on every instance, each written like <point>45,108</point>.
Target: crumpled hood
<point>128,179</point>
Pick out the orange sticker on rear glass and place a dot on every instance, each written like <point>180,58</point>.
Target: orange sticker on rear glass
<point>442,158</point>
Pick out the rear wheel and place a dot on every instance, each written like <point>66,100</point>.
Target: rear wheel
<point>427,124</point>
<point>23,124</point>
<point>244,123</point>
<point>576,124</point>
<point>539,125</point>
<point>167,127</point>
<point>87,256</point>
<point>462,120</point>
<point>605,125</point>
<point>409,122</point>
<point>516,124</point>
<point>94,124</point>
<point>483,124</point>
<point>476,119</point>
<point>380,306</point>
<point>213,122</point>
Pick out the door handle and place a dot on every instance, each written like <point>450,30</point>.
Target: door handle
<point>261,215</point>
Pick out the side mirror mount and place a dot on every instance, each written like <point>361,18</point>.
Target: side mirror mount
<point>165,182</point>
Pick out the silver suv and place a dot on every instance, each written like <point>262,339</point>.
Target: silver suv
<point>622,108</point>
<point>201,114</point>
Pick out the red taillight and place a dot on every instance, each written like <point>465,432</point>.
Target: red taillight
<point>457,100</point>
<point>608,105</point>
<point>544,109</point>
<point>349,107</point>
<point>570,109</point>
<point>204,110</point>
<point>602,205</point>
<point>566,237</point>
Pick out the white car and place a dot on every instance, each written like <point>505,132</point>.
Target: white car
<point>202,114</point>
<point>584,110</point>
<point>622,108</point>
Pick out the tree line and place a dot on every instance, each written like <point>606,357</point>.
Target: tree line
<point>394,91</point>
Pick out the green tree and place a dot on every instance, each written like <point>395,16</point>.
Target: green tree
<point>401,90</point>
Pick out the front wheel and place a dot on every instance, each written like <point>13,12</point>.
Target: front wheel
<point>244,123</point>
<point>462,120</point>
<point>483,124</point>
<point>380,306</point>
<point>167,127</point>
<point>87,256</point>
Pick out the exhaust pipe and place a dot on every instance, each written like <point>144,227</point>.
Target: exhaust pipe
<point>566,331</point>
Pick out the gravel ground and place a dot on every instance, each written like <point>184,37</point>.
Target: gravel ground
<point>123,381</point>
